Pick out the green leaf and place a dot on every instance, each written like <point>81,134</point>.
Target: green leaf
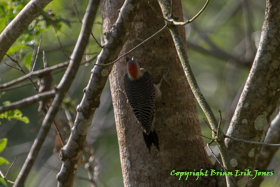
<point>3,143</point>
<point>3,182</point>
<point>69,103</point>
<point>2,24</point>
<point>3,161</point>
<point>15,48</point>
<point>3,4</point>
<point>27,60</point>
<point>13,114</point>
<point>18,116</point>
<point>6,103</point>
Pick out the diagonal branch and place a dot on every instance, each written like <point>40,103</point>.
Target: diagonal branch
<point>62,89</point>
<point>219,138</point>
<point>194,17</point>
<point>259,97</point>
<point>268,152</point>
<point>19,24</point>
<point>115,38</point>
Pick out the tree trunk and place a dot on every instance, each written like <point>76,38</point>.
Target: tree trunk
<point>177,124</point>
<point>258,100</point>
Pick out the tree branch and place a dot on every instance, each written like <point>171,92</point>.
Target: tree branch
<point>221,54</point>
<point>194,17</point>
<point>260,95</point>
<point>21,70</point>
<point>28,101</point>
<point>62,88</point>
<point>39,72</point>
<point>115,38</point>
<point>19,24</point>
<point>268,152</point>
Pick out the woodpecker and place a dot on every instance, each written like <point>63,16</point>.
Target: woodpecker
<point>142,95</point>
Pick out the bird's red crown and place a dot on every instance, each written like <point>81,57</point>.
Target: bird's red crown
<point>133,69</point>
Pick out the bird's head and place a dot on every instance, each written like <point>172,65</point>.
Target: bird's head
<point>133,69</point>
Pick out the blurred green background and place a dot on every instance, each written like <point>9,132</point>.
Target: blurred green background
<point>221,46</point>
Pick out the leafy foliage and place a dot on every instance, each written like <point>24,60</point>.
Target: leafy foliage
<point>45,21</point>
<point>69,104</point>
<point>3,143</point>
<point>13,114</point>
<point>3,182</point>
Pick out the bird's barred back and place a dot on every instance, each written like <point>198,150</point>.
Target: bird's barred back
<point>141,97</point>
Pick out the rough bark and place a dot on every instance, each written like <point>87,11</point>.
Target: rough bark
<point>91,99</point>
<point>267,152</point>
<point>177,125</point>
<point>259,98</point>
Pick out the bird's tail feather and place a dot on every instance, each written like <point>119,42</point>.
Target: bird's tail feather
<point>150,139</point>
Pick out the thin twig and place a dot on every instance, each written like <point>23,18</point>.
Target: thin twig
<point>219,53</point>
<point>5,176</point>
<point>77,15</point>
<point>251,142</point>
<point>204,136</point>
<point>10,167</point>
<point>59,133</point>
<point>36,57</point>
<point>219,126</point>
<point>133,47</point>
<point>61,47</point>
<point>176,22</point>
<point>208,145</point>
<point>193,18</point>
<point>76,11</point>
<point>40,72</point>
<point>90,166</point>
<point>96,41</point>
<point>69,118</point>
<point>21,70</point>
<point>207,123</point>
<point>45,64</point>
<point>12,59</point>
<point>86,179</point>
<point>12,66</point>
<point>155,11</point>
